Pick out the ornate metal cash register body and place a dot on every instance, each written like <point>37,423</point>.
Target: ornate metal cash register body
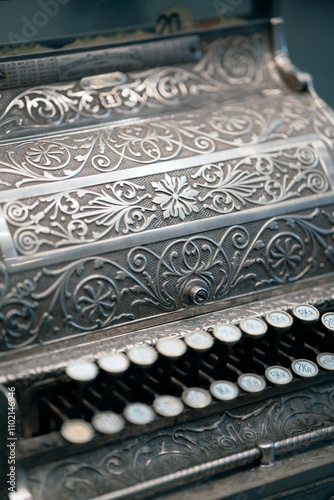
<point>167,262</point>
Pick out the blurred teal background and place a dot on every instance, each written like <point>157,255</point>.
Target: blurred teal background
<point>310,36</point>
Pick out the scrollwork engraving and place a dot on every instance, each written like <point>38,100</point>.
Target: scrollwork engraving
<point>97,292</point>
<point>88,215</point>
<point>228,64</point>
<point>143,143</point>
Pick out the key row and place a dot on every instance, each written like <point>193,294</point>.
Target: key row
<point>138,413</point>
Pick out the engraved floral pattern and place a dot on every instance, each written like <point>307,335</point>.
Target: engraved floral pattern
<point>99,300</point>
<point>90,292</point>
<point>286,255</point>
<point>88,215</point>
<point>44,153</point>
<point>261,179</point>
<point>175,197</point>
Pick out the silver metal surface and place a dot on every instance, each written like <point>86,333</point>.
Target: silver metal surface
<point>159,203</point>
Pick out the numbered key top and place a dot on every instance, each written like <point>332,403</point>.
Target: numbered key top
<point>226,336</point>
<point>251,382</point>
<point>304,368</point>
<point>326,361</point>
<point>108,422</point>
<point>170,351</point>
<point>198,343</point>
<point>278,322</point>
<point>327,320</point>
<point>168,406</point>
<point>224,390</point>
<point>306,315</point>
<point>253,329</point>
<point>278,375</point>
<point>196,397</point>
<point>139,413</point>
<point>142,358</point>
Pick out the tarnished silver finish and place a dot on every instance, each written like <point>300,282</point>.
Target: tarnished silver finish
<point>161,203</point>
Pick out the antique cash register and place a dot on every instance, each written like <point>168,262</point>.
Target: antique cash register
<point>167,255</point>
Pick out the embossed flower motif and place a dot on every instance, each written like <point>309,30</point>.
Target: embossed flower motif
<point>175,197</point>
<point>44,153</point>
<point>99,302</point>
<point>302,423</point>
<point>287,256</point>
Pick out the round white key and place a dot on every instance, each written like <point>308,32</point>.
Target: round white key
<point>168,406</point>
<point>327,320</point>
<point>114,363</point>
<point>195,397</point>
<point>306,313</point>
<point>139,413</point>
<point>199,341</point>
<point>171,348</point>
<point>253,327</point>
<point>77,431</point>
<point>229,334</point>
<point>81,370</point>
<point>326,361</point>
<point>304,368</point>
<point>224,390</point>
<point>108,422</point>
<point>250,382</point>
<point>278,375</point>
<point>142,355</point>
<point>279,320</point>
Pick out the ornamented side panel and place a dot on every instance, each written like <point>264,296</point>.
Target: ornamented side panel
<point>150,456</point>
<point>95,292</point>
<point>229,67</point>
<point>85,215</point>
<point>101,151</point>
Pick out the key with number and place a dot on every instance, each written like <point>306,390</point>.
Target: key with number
<point>278,375</point>
<point>306,316</point>
<point>198,343</point>
<point>304,368</point>
<point>226,336</point>
<point>327,320</point>
<point>278,322</point>
<point>170,351</point>
<point>253,329</point>
<point>142,358</point>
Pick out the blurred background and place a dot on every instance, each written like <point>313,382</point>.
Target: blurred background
<point>310,36</point>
